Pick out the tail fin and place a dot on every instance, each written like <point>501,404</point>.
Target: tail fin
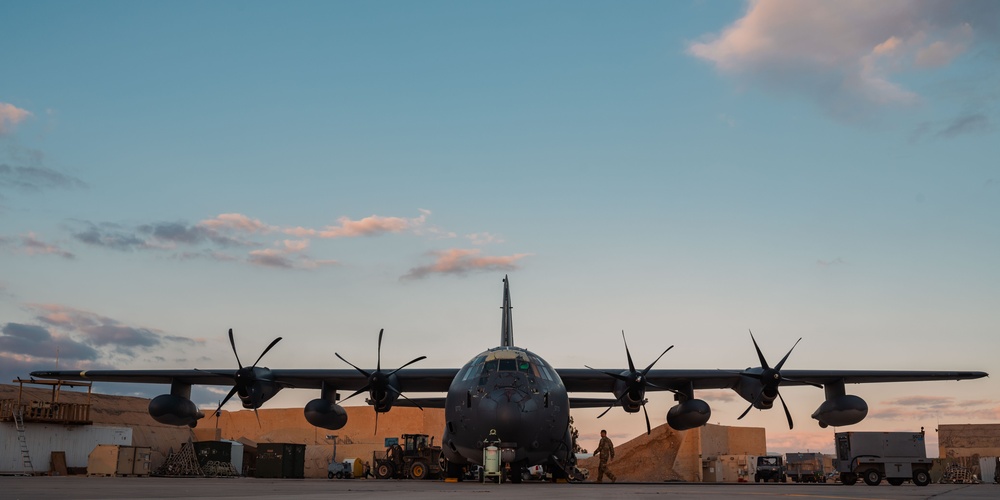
<point>506,325</point>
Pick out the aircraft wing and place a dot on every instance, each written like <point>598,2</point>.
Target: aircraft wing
<point>587,380</point>
<point>411,380</point>
<point>439,379</point>
<point>420,402</point>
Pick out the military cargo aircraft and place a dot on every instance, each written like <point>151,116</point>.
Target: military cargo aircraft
<point>509,397</point>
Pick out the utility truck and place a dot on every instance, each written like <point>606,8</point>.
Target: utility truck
<point>805,467</point>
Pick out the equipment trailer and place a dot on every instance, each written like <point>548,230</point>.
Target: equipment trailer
<point>896,457</point>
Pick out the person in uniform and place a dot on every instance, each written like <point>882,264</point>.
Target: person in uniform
<point>606,451</point>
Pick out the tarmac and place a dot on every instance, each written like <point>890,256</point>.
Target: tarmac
<point>152,488</point>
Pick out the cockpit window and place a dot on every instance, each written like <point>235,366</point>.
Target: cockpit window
<point>539,366</point>
<point>506,361</point>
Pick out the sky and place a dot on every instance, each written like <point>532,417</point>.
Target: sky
<point>685,172</point>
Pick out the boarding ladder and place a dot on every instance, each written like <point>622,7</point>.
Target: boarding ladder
<point>19,423</point>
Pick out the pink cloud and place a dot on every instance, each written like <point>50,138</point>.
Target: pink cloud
<point>10,116</point>
<point>844,52</point>
<point>34,246</point>
<point>368,226</point>
<point>237,222</point>
<point>463,261</point>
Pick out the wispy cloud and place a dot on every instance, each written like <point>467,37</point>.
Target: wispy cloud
<point>30,244</point>
<point>288,254</point>
<point>36,178</point>
<point>924,407</point>
<point>11,115</point>
<point>965,124</point>
<point>484,238</point>
<point>846,55</point>
<point>457,261</point>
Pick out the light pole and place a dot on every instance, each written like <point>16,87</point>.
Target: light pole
<point>334,438</point>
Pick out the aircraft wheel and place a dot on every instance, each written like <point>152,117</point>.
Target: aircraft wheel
<point>418,470</point>
<point>849,478</point>
<point>518,472</point>
<point>896,481</point>
<point>873,477</point>
<point>921,477</point>
<point>384,470</point>
<point>453,471</point>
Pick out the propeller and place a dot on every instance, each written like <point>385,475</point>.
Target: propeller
<point>245,378</point>
<point>635,381</point>
<point>379,382</point>
<point>771,378</point>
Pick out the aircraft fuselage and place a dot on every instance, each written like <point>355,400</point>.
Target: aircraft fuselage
<point>512,398</point>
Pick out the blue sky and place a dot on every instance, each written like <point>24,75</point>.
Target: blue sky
<point>684,171</point>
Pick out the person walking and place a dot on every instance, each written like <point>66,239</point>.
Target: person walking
<point>606,451</point>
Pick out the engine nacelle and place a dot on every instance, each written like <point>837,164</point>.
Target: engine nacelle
<point>689,414</point>
<point>174,410</point>
<point>842,410</point>
<point>631,401</point>
<point>325,414</point>
<point>749,389</point>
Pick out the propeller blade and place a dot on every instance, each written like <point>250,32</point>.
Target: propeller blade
<point>788,415</point>
<point>760,355</point>
<point>275,341</point>
<point>618,376</point>
<point>800,381</point>
<point>649,430</point>
<point>631,366</point>
<point>605,411</point>
<point>616,402</point>
<point>782,362</point>
<point>224,401</point>
<point>378,352</point>
<point>376,423</point>
<point>754,403</point>
<point>660,387</point>
<point>232,342</point>
<point>366,374</point>
<point>400,394</point>
<point>359,391</point>
<point>404,366</point>
<point>650,367</point>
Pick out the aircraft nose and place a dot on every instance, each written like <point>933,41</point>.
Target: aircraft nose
<point>503,416</point>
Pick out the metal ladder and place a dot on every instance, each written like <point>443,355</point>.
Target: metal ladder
<point>19,423</point>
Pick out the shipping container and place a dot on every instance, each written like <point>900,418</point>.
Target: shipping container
<point>281,460</point>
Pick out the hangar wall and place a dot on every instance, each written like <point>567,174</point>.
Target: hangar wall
<point>966,440</point>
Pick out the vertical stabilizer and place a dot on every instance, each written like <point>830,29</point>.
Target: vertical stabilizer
<point>506,324</point>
